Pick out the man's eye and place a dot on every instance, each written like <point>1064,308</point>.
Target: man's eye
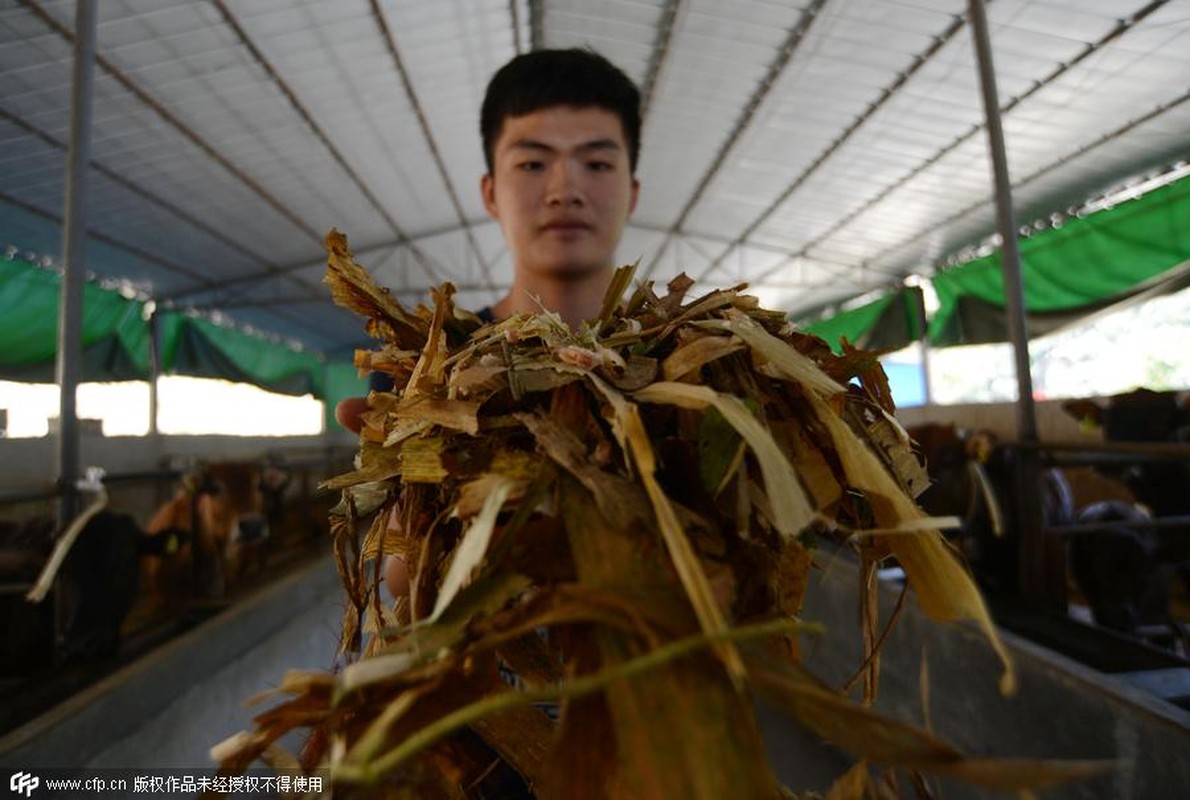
<point>600,166</point>
<point>530,166</point>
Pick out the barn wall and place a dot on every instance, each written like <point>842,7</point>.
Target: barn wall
<point>27,466</point>
<point>1053,424</point>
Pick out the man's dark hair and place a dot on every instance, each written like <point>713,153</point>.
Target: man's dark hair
<point>546,78</point>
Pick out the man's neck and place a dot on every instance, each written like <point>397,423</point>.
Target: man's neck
<point>573,300</point>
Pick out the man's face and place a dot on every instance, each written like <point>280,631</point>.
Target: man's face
<point>561,189</point>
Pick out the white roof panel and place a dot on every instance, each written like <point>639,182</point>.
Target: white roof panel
<point>224,148</point>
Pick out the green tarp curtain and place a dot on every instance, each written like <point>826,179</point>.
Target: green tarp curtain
<point>211,351</point>
<point>1079,268</point>
<point>888,323</point>
<point>1075,269</point>
<point>115,337</point>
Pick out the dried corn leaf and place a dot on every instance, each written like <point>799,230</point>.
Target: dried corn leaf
<point>944,589</point>
<point>791,509</point>
<point>521,736</point>
<point>652,761</point>
<point>851,785</point>
<point>469,556</point>
<point>696,353</point>
<point>1018,774</point>
<point>474,494</point>
<point>609,536</point>
<point>635,439</point>
<point>421,460</point>
<point>459,415</point>
<point>352,288</point>
<point>775,356</point>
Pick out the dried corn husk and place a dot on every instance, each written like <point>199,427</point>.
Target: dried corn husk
<point>622,516</point>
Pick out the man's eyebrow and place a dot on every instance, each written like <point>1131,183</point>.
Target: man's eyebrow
<point>601,144</point>
<point>530,144</point>
<point>594,144</point>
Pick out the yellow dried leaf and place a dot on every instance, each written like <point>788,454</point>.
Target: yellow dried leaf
<point>468,557</point>
<point>459,415</point>
<point>776,357</point>
<point>851,785</point>
<point>352,288</point>
<point>943,588</point>
<point>479,379</point>
<point>421,460</point>
<point>635,439</point>
<point>791,507</point>
<point>1016,774</point>
<point>695,354</point>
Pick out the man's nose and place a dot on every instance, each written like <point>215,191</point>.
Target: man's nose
<point>564,189</point>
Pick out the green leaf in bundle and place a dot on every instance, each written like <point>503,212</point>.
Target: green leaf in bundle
<point>719,449</point>
<point>791,508</point>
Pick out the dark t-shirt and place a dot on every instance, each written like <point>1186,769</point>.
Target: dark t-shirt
<point>379,382</point>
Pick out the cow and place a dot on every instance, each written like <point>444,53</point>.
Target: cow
<point>1117,568</point>
<point>1145,416</point>
<point>210,536</point>
<point>1160,487</point>
<point>213,532</point>
<point>97,585</point>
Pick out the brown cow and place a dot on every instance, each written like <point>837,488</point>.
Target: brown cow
<point>212,533</point>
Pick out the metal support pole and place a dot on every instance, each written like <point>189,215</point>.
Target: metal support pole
<point>1010,257</point>
<point>1042,572</point>
<point>154,367</point>
<point>924,344</point>
<point>74,249</point>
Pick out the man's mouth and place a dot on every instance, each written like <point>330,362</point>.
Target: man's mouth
<point>566,225</point>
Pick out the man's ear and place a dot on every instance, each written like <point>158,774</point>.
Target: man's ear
<point>487,189</point>
<point>635,195</point>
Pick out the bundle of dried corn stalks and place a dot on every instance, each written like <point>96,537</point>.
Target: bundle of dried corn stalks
<point>609,533</point>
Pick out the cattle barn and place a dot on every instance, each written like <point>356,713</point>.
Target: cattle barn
<point>922,177</point>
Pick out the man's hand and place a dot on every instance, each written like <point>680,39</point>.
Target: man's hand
<point>348,410</point>
<point>396,577</point>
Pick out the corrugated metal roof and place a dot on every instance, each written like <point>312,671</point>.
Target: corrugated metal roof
<point>818,149</point>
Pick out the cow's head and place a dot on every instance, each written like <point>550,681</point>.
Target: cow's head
<point>230,504</point>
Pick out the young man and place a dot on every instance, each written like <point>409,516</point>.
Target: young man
<point>561,135</point>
